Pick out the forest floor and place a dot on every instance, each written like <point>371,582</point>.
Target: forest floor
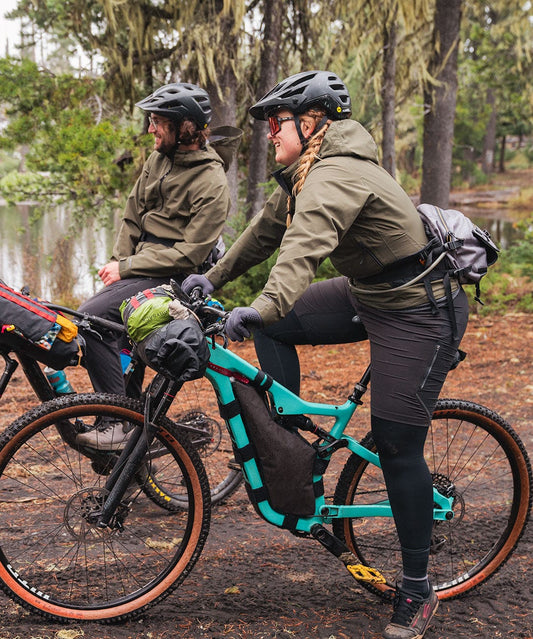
<point>255,581</point>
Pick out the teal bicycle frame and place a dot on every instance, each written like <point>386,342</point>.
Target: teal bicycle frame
<point>224,365</point>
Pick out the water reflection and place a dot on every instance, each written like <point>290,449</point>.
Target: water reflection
<point>60,266</point>
<point>55,261</point>
<point>503,229</point>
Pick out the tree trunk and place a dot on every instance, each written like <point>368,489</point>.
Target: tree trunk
<point>388,99</point>
<point>224,113</point>
<point>257,165</point>
<point>439,103</point>
<point>224,100</point>
<point>501,166</point>
<point>489,143</point>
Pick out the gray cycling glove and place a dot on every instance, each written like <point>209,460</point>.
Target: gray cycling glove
<point>197,281</point>
<point>241,321</point>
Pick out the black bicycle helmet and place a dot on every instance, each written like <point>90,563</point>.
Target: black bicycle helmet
<point>179,101</point>
<point>299,92</point>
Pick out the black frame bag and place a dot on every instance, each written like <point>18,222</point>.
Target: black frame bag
<point>286,460</point>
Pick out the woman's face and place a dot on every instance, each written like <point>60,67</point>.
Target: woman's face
<point>286,140</point>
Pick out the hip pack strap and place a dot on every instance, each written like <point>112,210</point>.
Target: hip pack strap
<point>414,280</point>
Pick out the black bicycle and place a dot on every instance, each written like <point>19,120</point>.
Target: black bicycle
<point>194,412</point>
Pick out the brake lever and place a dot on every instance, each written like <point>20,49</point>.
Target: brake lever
<point>179,293</point>
<point>85,326</point>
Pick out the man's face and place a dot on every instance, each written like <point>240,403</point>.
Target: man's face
<point>164,133</point>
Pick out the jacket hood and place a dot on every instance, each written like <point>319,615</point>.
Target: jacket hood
<point>222,147</point>
<point>225,140</point>
<point>348,137</point>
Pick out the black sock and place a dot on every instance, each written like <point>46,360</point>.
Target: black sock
<point>417,586</point>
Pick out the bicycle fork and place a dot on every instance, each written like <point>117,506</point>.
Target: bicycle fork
<point>114,511</point>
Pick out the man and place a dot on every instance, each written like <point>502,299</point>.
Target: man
<point>172,221</point>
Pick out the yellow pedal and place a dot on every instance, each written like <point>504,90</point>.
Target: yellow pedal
<point>365,573</point>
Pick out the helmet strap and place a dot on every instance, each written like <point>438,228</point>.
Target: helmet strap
<point>305,141</point>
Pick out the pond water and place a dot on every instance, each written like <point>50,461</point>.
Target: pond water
<point>55,261</point>
<point>57,266</point>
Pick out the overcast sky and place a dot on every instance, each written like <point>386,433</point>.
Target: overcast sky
<point>8,28</point>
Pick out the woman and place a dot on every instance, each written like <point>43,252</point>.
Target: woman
<point>335,201</point>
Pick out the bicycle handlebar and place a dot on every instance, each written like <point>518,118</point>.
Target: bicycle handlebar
<point>85,317</point>
<point>197,302</point>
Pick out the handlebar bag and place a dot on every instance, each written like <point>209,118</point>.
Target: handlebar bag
<point>146,311</point>
<point>30,327</point>
<point>177,348</point>
<point>286,461</point>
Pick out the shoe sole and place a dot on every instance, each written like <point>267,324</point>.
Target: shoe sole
<point>103,447</point>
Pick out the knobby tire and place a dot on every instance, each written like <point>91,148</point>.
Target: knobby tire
<point>475,456</point>
<point>53,559</point>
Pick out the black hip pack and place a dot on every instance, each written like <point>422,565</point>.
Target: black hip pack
<point>286,461</point>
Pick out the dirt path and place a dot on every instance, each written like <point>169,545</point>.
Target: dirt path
<point>254,581</point>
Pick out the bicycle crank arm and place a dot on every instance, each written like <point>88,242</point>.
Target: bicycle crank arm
<point>340,550</point>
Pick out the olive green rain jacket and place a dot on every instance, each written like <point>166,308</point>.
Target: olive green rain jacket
<point>176,210</point>
<point>349,209</point>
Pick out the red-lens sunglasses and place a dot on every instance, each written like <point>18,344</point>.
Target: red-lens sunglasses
<point>274,122</point>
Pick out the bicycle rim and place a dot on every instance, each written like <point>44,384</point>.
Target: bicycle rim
<point>195,409</point>
<point>53,560</point>
<point>475,457</point>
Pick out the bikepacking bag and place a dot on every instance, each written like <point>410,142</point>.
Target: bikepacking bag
<point>286,461</point>
<point>33,329</point>
<point>168,336</point>
<point>456,249</point>
<point>468,250</point>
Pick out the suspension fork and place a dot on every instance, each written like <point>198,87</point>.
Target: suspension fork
<point>159,397</point>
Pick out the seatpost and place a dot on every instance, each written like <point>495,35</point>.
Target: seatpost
<point>361,387</point>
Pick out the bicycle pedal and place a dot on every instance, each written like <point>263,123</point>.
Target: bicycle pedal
<point>365,573</point>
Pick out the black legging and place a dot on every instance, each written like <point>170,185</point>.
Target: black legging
<point>409,487</point>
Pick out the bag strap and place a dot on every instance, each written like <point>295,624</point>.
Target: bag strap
<point>416,279</point>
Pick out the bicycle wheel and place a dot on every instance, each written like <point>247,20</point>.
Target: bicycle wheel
<point>195,409</point>
<point>53,558</point>
<point>476,458</point>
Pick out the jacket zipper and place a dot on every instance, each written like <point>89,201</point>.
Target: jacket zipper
<point>161,184</point>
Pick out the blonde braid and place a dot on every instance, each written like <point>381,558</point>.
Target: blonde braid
<point>306,161</point>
